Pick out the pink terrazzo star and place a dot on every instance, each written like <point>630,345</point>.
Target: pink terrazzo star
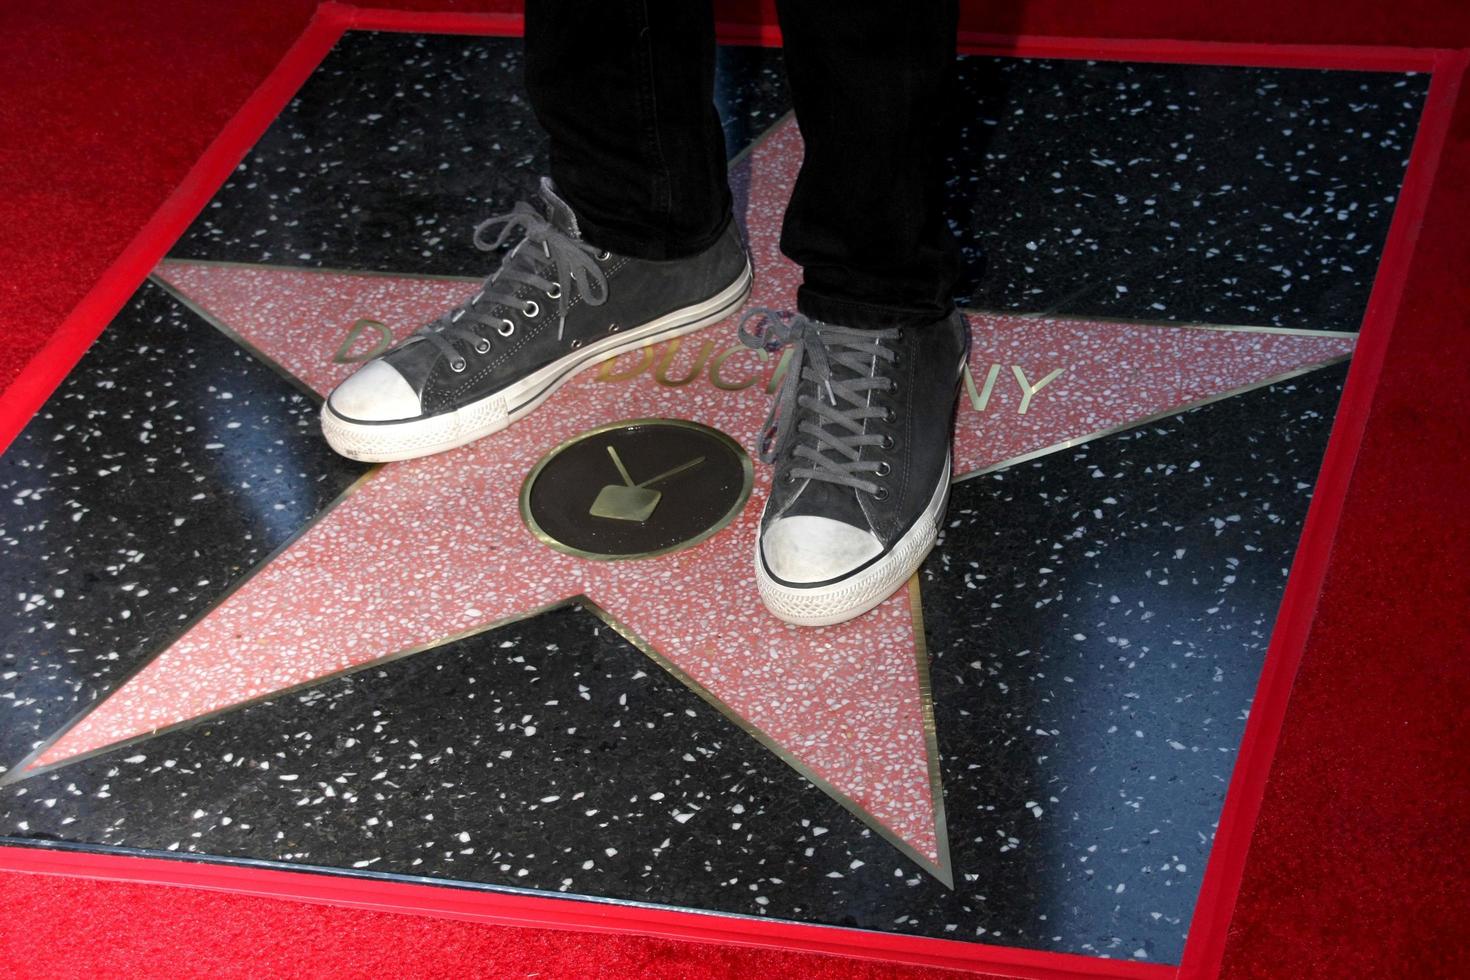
<point>429,549</point>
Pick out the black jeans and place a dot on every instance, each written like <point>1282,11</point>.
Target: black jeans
<point>625,88</point>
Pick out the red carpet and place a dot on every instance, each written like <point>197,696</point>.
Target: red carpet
<point>1354,868</point>
<point>141,930</point>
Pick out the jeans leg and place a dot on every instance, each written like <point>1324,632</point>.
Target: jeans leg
<point>872,82</point>
<point>625,89</point>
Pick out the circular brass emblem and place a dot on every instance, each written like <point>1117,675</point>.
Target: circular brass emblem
<point>636,489</point>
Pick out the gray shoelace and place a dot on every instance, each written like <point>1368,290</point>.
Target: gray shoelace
<point>843,366</point>
<point>546,258</point>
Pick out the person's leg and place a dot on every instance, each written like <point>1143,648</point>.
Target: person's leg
<point>631,244</point>
<point>872,82</point>
<point>625,90</point>
<point>862,442</point>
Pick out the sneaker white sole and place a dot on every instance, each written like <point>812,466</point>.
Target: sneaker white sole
<point>382,442</point>
<point>848,598</point>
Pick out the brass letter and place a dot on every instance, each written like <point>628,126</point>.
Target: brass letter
<point>661,373</point>
<point>606,373</point>
<point>982,398</point>
<point>781,366</point>
<point>354,334</point>
<point>1028,390</point>
<point>717,366</point>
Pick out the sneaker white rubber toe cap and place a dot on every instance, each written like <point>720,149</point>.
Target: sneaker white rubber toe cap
<point>814,549</point>
<point>376,393</point>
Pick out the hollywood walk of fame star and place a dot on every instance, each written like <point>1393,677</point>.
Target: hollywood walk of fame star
<point>423,552</point>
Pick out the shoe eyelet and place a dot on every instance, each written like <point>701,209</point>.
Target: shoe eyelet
<point>613,328</point>
<point>887,443</point>
<point>892,387</point>
<point>789,479</point>
<point>483,347</point>
<point>554,295</point>
<point>881,493</point>
<point>531,309</point>
<point>576,342</point>
<point>883,469</point>
<point>506,328</point>
<point>603,255</point>
<point>890,416</point>
<point>458,364</point>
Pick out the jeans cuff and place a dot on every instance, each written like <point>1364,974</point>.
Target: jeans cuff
<point>650,247</point>
<point>861,315</point>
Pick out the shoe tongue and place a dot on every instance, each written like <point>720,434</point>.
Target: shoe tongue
<point>822,499</point>
<point>560,212</point>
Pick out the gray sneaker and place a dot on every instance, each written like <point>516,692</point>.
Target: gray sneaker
<point>556,306</point>
<point>861,449</point>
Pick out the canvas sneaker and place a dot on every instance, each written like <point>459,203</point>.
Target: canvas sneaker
<point>556,306</point>
<point>860,439</point>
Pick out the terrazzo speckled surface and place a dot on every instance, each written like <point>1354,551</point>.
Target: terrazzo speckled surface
<point>1088,710</point>
<point>1096,617</point>
<point>398,144</point>
<point>167,465</point>
<point>353,590</point>
<point>1164,192</point>
<point>1178,192</point>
